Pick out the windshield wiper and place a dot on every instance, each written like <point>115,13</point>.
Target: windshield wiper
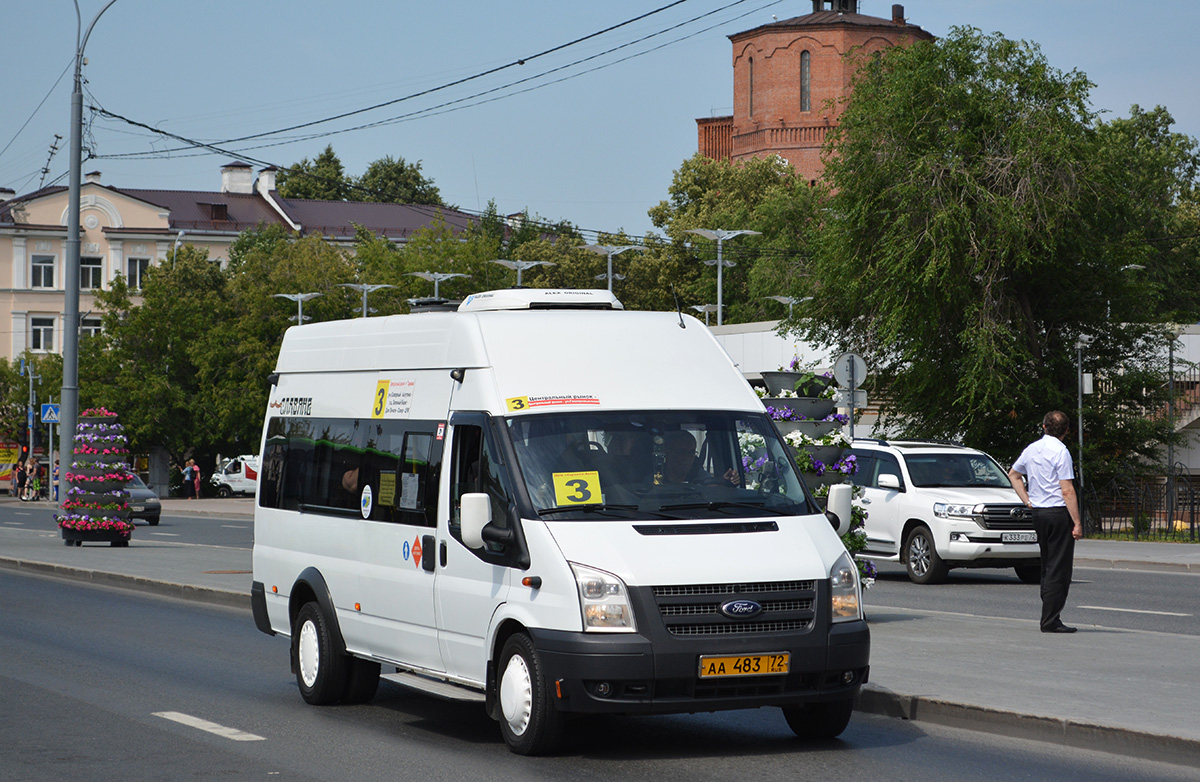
<point>722,505</point>
<point>586,507</point>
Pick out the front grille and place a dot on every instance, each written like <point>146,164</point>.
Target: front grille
<point>1002,517</point>
<point>693,610</point>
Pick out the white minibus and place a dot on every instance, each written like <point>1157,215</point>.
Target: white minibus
<point>552,506</point>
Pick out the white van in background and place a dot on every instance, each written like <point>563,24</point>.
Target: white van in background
<point>238,475</point>
<point>551,506</point>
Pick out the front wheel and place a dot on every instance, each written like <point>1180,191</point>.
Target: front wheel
<point>224,492</point>
<point>320,669</point>
<point>529,720</point>
<point>1029,574</point>
<point>924,564</point>
<point>819,720</point>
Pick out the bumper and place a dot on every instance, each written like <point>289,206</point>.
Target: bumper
<point>980,550</point>
<point>625,673</point>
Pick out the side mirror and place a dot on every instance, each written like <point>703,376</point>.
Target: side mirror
<point>889,481</point>
<point>837,507</point>
<point>475,514</point>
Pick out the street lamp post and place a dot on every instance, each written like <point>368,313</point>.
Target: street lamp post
<point>790,301</point>
<point>436,278</point>
<point>299,298</point>
<point>610,250</point>
<point>365,289</point>
<point>719,236</point>
<point>520,266</point>
<point>69,412</point>
<point>707,309</point>
<point>1083,340</point>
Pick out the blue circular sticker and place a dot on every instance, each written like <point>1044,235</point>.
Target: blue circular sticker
<point>365,502</point>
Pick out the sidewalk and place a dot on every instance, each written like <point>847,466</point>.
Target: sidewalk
<point>1120,691</point>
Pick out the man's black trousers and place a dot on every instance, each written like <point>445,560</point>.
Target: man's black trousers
<point>1057,544</point>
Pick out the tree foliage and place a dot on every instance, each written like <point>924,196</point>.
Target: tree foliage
<point>981,221</point>
<point>387,180</point>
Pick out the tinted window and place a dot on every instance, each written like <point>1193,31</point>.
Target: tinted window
<point>380,470</point>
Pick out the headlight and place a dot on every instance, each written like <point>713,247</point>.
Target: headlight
<point>604,601</point>
<point>844,593</point>
<point>945,509</point>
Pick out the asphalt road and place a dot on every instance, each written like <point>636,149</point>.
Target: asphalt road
<point>1126,599</point>
<point>104,684</point>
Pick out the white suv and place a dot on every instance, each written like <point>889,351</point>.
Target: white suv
<point>935,507</point>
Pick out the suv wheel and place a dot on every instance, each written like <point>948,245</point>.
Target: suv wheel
<point>921,558</point>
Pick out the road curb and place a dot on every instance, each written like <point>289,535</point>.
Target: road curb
<point>219,597</point>
<point>1133,564</point>
<point>1080,735</point>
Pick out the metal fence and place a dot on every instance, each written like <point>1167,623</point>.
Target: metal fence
<point>1166,508</point>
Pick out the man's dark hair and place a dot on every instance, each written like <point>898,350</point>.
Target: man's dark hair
<point>1056,423</point>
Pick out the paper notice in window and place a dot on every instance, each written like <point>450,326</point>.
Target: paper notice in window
<point>387,488</point>
<point>409,484</point>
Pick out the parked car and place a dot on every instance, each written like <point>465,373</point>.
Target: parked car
<point>236,476</point>
<point>143,502</point>
<point>935,507</point>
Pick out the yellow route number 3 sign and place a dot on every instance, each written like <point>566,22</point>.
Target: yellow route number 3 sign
<point>577,488</point>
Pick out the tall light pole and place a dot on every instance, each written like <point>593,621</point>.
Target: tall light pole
<point>69,412</point>
<point>706,309</point>
<point>610,250</point>
<point>436,278</point>
<point>790,301</point>
<point>719,236</point>
<point>359,286</point>
<point>299,298</point>
<point>1080,343</point>
<point>520,266</point>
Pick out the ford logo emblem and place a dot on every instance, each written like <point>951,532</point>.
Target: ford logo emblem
<point>741,609</point>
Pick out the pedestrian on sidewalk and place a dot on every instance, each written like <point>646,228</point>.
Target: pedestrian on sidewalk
<point>187,485</point>
<point>1047,468</point>
<point>195,480</point>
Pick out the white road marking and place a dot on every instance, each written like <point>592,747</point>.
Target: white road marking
<point>236,526</point>
<point>195,722</point>
<point>166,534</point>
<point>1134,611</point>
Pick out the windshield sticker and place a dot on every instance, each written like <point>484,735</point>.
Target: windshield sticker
<point>393,398</point>
<point>533,402</point>
<point>577,488</point>
<point>365,501</point>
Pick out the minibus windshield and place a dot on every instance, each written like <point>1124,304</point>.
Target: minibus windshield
<point>656,465</point>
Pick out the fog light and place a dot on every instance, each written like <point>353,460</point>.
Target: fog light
<point>604,689</point>
<point>847,677</point>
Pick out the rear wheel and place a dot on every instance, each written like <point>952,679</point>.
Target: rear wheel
<point>1029,574</point>
<point>921,558</point>
<point>819,720</point>
<point>529,719</point>
<point>320,669</point>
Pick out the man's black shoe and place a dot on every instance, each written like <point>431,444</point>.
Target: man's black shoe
<point>1058,629</point>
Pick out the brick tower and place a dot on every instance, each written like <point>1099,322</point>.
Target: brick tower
<point>788,77</point>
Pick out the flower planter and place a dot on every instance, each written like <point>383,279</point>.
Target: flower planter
<point>779,381</point>
<point>808,407</point>
<point>812,429</point>
<point>830,478</point>
<point>826,454</point>
<point>77,537</point>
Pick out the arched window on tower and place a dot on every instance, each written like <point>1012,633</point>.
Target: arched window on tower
<point>751,91</point>
<point>805,81</point>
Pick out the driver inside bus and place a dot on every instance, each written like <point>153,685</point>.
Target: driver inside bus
<point>679,462</point>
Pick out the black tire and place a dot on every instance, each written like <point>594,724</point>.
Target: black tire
<point>1029,574</point>
<point>819,720</point>
<point>320,669</point>
<point>362,680</point>
<point>529,719</point>
<point>224,492</point>
<point>921,557</point>
<point>152,521</point>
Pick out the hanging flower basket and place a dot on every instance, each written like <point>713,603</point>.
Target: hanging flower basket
<point>801,407</point>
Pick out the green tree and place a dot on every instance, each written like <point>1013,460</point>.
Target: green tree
<point>392,180</point>
<point>322,178</point>
<point>981,221</point>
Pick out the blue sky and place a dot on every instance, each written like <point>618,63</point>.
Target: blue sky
<point>597,148</point>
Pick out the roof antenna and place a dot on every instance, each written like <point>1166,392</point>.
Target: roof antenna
<point>677,308</point>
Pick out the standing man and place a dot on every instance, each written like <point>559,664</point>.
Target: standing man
<point>1047,467</point>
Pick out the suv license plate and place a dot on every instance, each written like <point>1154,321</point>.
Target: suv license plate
<point>765,664</point>
<point>1018,537</point>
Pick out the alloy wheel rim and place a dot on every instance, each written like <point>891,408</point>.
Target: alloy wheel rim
<point>309,653</point>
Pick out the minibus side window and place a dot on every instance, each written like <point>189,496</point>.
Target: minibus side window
<point>476,468</point>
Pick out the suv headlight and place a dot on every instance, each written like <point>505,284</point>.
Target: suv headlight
<point>844,593</point>
<point>604,601</point>
<point>945,509</point>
